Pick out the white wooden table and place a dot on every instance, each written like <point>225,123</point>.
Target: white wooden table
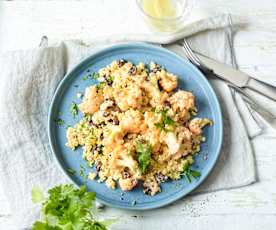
<point>253,207</point>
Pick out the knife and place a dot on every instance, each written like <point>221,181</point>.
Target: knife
<point>238,78</point>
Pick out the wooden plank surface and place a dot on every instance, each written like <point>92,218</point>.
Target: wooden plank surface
<point>253,207</point>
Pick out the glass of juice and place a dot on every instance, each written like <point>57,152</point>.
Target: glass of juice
<point>165,15</point>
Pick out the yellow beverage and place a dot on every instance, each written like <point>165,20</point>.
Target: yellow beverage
<point>161,9</point>
<point>163,15</point>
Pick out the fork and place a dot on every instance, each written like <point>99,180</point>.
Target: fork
<point>194,59</point>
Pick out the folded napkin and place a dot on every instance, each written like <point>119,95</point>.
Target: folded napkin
<point>28,81</point>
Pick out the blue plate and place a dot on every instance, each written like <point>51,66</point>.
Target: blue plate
<point>189,79</point>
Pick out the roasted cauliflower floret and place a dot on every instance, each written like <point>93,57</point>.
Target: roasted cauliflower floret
<point>151,187</point>
<point>129,97</point>
<point>168,81</point>
<point>128,183</point>
<point>132,121</point>
<point>155,95</point>
<point>93,98</point>
<point>182,100</point>
<point>196,125</point>
<point>122,160</point>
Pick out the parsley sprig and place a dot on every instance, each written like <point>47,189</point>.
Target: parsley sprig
<point>144,156</point>
<point>166,120</point>
<point>59,121</point>
<point>189,173</point>
<point>74,110</point>
<point>67,207</point>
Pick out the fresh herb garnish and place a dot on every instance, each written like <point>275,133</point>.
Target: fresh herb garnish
<point>83,174</point>
<point>110,78</point>
<point>74,109</point>
<point>59,122</point>
<point>165,120</point>
<point>67,207</point>
<point>86,77</point>
<point>144,156</point>
<point>71,171</point>
<point>96,75</point>
<point>189,173</point>
<point>100,86</point>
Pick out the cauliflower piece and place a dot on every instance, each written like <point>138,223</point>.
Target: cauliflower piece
<point>153,137</point>
<point>121,161</point>
<point>183,134</point>
<point>114,137</point>
<point>168,81</point>
<point>92,100</point>
<point>128,183</point>
<point>72,138</point>
<point>130,97</point>
<point>132,121</point>
<point>172,143</point>
<point>182,100</point>
<point>151,187</point>
<point>196,125</point>
<point>106,104</point>
<point>156,97</point>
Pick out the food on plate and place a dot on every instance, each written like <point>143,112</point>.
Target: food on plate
<point>137,126</point>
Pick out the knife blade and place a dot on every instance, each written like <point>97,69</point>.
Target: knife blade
<point>238,78</point>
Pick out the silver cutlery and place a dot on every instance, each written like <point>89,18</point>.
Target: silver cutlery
<point>237,80</point>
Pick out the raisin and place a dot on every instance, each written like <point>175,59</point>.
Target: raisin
<point>160,178</point>
<point>98,166</point>
<point>121,62</point>
<point>125,174</point>
<point>132,70</point>
<point>115,121</point>
<point>105,113</point>
<point>147,191</point>
<point>156,69</point>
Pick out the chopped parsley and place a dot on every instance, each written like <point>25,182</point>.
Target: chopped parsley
<point>96,75</point>
<point>110,78</point>
<point>67,207</point>
<point>189,173</point>
<point>86,77</point>
<point>71,171</point>
<point>166,120</point>
<point>59,122</point>
<point>144,156</point>
<point>100,86</point>
<point>83,173</point>
<point>74,109</point>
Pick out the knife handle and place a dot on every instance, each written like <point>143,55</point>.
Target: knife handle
<point>262,88</point>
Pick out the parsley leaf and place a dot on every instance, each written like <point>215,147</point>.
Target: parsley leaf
<point>67,207</point>
<point>144,156</point>
<point>71,171</point>
<point>165,120</point>
<point>96,75</point>
<point>74,109</point>
<point>83,173</point>
<point>189,173</point>
<point>84,78</point>
<point>59,122</point>
<point>100,86</point>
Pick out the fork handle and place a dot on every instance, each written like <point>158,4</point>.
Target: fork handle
<point>261,88</point>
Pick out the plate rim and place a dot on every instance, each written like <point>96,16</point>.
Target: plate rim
<point>169,200</point>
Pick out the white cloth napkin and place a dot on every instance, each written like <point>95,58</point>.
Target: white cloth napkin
<point>28,81</point>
